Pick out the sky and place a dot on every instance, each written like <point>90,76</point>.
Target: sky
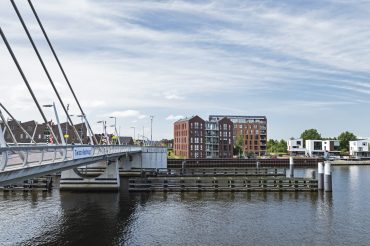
<point>302,64</point>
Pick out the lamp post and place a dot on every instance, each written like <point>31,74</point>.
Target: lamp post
<point>143,135</point>
<point>151,129</point>
<point>134,132</point>
<point>115,128</point>
<point>104,130</point>
<point>57,118</point>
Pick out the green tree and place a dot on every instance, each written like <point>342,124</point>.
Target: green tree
<point>344,139</point>
<point>276,146</point>
<point>312,134</point>
<point>271,146</point>
<point>282,146</point>
<point>238,147</point>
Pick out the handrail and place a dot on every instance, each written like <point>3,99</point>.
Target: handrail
<point>47,154</point>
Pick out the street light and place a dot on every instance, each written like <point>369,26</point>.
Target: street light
<point>115,128</point>
<point>57,118</point>
<point>134,132</point>
<point>104,129</point>
<point>151,129</point>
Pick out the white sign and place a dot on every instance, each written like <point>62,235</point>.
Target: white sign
<point>82,152</point>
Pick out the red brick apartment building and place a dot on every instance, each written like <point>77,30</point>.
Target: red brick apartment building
<point>226,143</point>
<point>189,137</point>
<point>253,129</point>
<point>196,138</point>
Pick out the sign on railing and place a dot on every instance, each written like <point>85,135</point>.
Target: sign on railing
<point>82,152</point>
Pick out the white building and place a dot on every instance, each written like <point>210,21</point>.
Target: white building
<point>314,148</point>
<point>359,148</point>
<point>295,147</point>
<point>331,146</point>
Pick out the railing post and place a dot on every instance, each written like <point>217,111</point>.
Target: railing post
<point>25,158</point>
<point>4,159</point>
<point>55,154</point>
<point>42,156</point>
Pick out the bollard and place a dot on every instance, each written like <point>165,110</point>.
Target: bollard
<point>327,177</point>
<point>320,176</point>
<point>291,167</point>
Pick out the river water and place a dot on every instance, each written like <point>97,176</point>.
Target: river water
<point>269,218</point>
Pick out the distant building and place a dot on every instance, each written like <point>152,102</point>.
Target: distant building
<point>219,138</point>
<point>314,148</point>
<point>331,146</point>
<point>126,140</point>
<point>295,147</point>
<point>196,138</point>
<point>226,139</point>
<point>212,139</point>
<point>253,130</point>
<point>167,143</point>
<point>359,148</point>
<point>189,138</point>
<point>318,148</point>
<point>41,133</point>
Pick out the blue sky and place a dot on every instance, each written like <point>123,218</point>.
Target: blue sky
<point>303,64</point>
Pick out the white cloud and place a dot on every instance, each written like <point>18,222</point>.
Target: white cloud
<point>172,95</point>
<point>128,114</point>
<point>172,117</point>
<point>218,55</point>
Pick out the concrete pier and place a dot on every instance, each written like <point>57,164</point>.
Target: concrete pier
<point>327,177</point>
<point>108,180</point>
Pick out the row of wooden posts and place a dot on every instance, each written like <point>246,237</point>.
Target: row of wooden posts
<point>234,179</point>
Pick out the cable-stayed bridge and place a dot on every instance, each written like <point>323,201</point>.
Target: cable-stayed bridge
<point>19,162</point>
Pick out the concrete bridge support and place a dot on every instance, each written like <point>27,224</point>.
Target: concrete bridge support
<point>107,180</point>
<point>149,158</point>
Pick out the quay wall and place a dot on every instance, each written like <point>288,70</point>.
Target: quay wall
<point>204,163</point>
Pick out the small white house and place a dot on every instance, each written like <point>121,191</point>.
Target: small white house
<point>295,147</point>
<point>314,148</point>
<point>359,148</point>
<point>331,146</point>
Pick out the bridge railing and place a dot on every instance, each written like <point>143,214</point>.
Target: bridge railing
<point>24,156</point>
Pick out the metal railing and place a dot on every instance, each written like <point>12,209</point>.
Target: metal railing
<point>19,157</point>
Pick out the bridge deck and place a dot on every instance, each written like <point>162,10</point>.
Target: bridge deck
<point>18,163</point>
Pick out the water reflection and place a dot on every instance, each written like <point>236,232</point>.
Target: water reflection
<point>192,218</point>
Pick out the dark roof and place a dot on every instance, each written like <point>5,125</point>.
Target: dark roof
<point>187,119</point>
<point>126,140</point>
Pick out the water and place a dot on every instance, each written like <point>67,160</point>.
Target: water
<point>66,218</point>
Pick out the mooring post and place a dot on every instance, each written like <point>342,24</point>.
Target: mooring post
<point>327,177</point>
<point>183,167</point>
<point>291,167</point>
<point>320,176</point>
